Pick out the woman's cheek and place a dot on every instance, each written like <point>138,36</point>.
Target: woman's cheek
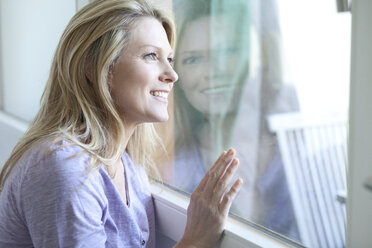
<point>188,79</point>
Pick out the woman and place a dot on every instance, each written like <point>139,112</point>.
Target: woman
<point>74,179</point>
<point>229,68</point>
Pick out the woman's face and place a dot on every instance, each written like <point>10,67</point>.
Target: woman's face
<point>210,62</point>
<point>143,76</point>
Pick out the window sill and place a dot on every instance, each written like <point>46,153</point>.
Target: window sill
<point>170,211</point>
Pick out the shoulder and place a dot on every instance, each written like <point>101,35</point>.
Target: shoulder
<point>285,100</point>
<point>57,194</point>
<point>62,160</point>
<point>52,168</point>
<point>59,178</point>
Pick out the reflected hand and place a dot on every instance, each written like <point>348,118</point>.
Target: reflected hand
<point>209,203</point>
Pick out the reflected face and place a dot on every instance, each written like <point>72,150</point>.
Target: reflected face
<point>210,62</point>
<point>143,76</point>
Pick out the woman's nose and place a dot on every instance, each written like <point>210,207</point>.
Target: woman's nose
<point>218,62</point>
<point>169,75</point>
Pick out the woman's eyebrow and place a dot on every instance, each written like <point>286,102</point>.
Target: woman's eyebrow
<point>193,52</point>
<point>156,47</point>
<point>198,52</point>
<point>149,45</point>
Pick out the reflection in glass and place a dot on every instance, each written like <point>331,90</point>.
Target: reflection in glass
<point>228,61</point>
<point>285,120</point>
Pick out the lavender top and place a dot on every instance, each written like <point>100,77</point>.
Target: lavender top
<point>52,201</point>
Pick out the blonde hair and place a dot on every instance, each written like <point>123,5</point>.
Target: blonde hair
<point>82,110</point>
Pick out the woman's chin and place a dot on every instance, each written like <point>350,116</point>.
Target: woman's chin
<point>159,118</point>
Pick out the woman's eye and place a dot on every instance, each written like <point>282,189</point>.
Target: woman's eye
<point>192,60</point>
<point>171,60</point>
<point>151,56</point>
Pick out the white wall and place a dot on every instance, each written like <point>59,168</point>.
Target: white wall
<point>30,30</point>
<point>29,33</point>
<point>11,130</point>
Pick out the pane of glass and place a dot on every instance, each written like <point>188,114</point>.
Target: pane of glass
<point>269,78</point>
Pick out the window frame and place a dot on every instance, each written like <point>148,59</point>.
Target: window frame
<point>171,216</point>
<point>359,216</point>
<point>359,200</point>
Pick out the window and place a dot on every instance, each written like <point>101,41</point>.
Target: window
<point>271,80</point>
<point>320,16</point>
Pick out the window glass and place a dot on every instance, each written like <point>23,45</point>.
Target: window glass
<point>269,78</point>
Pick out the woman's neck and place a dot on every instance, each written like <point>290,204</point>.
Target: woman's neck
<point>128,132</point>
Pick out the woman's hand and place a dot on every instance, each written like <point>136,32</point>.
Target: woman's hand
<point>209,205</point>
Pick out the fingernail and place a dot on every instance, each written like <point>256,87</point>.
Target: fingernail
<point>228,156</point>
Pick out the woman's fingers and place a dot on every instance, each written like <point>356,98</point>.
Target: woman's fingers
<point>223,183</point>
<point>209,204</point>
<point>230,196</point>
<point>216,172</point>
<point>205,179</point>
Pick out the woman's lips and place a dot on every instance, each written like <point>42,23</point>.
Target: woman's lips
<point>217,90</point>
<point>160,95</point>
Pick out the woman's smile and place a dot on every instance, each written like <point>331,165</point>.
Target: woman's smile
<point>217,90</point>
<point>160,95</point>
